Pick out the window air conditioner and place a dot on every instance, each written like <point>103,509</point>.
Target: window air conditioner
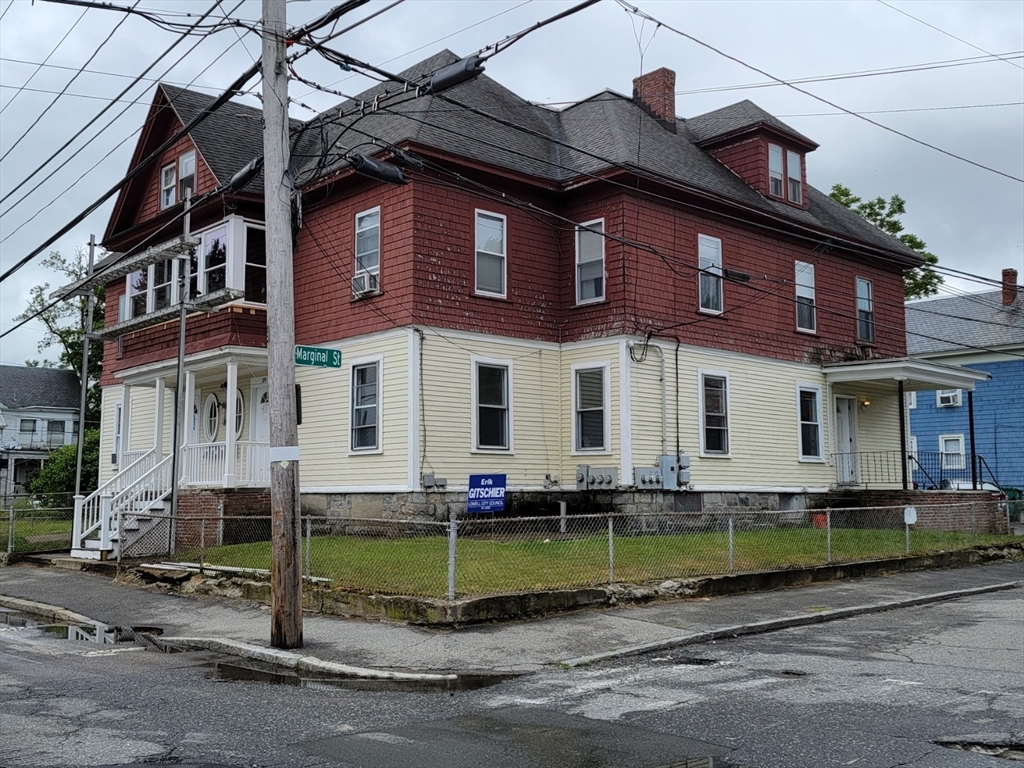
<point>365,283</point>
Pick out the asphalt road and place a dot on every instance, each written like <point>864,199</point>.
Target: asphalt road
<point>876,690</point>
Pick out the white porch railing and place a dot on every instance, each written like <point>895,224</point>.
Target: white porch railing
<point>252,463</point>
<point>203,464</point>
<point>88,512</point>
<point>130,457</point>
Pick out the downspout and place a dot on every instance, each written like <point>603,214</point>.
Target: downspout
<point>970,420</point>
<point>903,431</point>
<point>678,447</point>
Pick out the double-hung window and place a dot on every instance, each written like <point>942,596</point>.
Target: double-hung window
<point>492,407</point>
<point>168,187</point>
<point>255,265</point>
<point>187,175</point>
<point>951,448</point>
<point>709,261</point>
<point>805,312</point>
<point>947,398</point>
<point>163,284</point>
<point>911,398</point>
<point>366,274</point>
<point>366,407</point>
<point>809,405</point>
<point>590,262</point>
<point>775,169</point>
<point>714,414</point>
<point>490,254</point>
<point>590,409</point>
<point>865,311</point>
<point>215,259</point>
<point>794,175</point>
<point>138,294</point>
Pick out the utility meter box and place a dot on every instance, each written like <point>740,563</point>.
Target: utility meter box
<point>596,478</point>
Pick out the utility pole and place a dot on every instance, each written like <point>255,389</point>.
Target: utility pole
<point>285,572</point>
<point>90,302</point>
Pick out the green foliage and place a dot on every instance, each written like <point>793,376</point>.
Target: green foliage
<point>885,214</point>
<point>64,323</point>
<point>57,477</point>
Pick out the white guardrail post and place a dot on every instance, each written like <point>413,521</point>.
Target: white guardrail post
<point>76,523</point>
<point>105,506</point>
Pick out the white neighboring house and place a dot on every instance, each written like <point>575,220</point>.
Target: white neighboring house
<point>39,412</point>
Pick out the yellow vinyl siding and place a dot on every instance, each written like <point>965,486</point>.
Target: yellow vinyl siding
<point>108,409</point>
<point>446,420</point>
<point>142,418</point>
<point>324,436</point>
<point>763,419</point>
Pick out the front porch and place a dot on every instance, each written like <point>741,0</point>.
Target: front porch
<point>869,400</point>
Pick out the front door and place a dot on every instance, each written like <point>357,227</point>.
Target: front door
<point>257,464</point>
<point>846,440</point>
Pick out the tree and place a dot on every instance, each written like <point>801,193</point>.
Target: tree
<point>918,282</point>
<point>64,323</point>
<point>56,480</point>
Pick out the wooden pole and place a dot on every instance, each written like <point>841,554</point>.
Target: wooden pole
<point>286,571</point>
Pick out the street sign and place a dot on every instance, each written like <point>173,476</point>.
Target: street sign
<point>486,493</point>
<point>910,515</point>
<point>321,357</point>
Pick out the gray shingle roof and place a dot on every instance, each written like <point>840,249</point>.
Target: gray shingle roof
<point>608,125</point>
<point>734,118</point>
<point>22,387</point>
<point>975,320</point>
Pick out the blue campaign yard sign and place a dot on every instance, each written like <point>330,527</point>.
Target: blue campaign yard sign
<point>486,493</point>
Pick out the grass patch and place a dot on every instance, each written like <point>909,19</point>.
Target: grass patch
<point>36,534</point>
<point>418,565</point>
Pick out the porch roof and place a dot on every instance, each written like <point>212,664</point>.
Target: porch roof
<point>916,374</point>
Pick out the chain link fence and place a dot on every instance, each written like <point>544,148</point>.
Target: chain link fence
<point>477,556</point>
<point>36,523</point>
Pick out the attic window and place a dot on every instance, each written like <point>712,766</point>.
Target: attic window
<point>785,172</point>
<point>795,176</point>
<point>186,174</point>
<point>775,169</point>
<point>167,186</point>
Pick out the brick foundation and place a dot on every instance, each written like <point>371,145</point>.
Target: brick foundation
<point>199,520</point>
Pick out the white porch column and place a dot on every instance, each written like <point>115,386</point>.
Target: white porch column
<point>126,420</point>
<point>158,426</point>
<point>186,417</point>
<point>229,426</point>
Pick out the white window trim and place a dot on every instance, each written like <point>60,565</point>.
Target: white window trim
<point>477,212</point>
<point>812,295</point>
<point>962,453</point>
<point>820,458</point>
<point>605,367</point>
<point>173,186</point>
<point>701,373</point>
<point>782,171</point>
<point>496,362</point>
<point>239,268</point>
<point>911,398</point>
<point>239,413</point>
<point>211,400</point>
<point>576,266</point>
<point>701,239</point>
<point>118,438</point>
<point>358,362</point>
<point>370,273</point>
<point>856,307</point>
<point>798,178</point>
<point>956,402</point>
<point>912,446</point>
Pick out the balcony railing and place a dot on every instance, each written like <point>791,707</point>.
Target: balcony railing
<point>926,470</point>
<point>206,464</point>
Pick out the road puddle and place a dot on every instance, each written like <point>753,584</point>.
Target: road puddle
<point>264,673</point>
<point>100,634</point>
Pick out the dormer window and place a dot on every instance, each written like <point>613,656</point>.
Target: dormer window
<point>785,174</point>
<point>795,175</point>
<point>775,169</point>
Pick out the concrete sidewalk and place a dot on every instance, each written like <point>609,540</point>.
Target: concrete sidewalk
<point>515,647</point>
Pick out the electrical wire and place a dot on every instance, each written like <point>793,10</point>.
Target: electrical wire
<point>635,10</point>
<point>947,34</point>
<point>36,72</point>
<point>98,115</point>
<point>161,22</point>
<point>64,89</point>
<point>917,109</point>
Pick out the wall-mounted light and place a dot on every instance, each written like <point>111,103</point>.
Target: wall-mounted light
<point>865,404</point>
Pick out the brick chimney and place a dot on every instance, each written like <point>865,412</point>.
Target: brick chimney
<point>1009,286</point>
<point>656,93</point>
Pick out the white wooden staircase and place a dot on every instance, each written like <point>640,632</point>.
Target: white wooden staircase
<point>128,513</point>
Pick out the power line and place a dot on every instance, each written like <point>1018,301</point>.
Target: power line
<point>88,71</point>
<point>947,34</point>
<point>58,45</point>
<point>917,109</point>
<point>102,112</point>
<point>158,20</point>
<point>64,89</point>
<point>633,9</point>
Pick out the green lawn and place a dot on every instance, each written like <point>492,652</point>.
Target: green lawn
<point>38,533</point>
<point>419,565</point>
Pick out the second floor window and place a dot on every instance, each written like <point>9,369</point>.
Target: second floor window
<point>215,259</point>
<point>490,254</point>
<point>947,398</point>
<point>590,262</point>
<point>366,275</point>
<point>186,175</point>
<point>710,280</point>
<point>805,315</point>
<point>865,311</point>
<point>255,265</point>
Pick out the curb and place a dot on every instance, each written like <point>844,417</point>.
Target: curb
<point>772,625</point>
<point>49,611</point>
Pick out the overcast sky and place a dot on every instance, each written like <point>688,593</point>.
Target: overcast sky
<point>971,218</point>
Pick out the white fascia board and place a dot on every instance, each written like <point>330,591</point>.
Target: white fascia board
<point>916,374</point>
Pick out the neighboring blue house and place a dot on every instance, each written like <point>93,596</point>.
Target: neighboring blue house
<point>988,334</point>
